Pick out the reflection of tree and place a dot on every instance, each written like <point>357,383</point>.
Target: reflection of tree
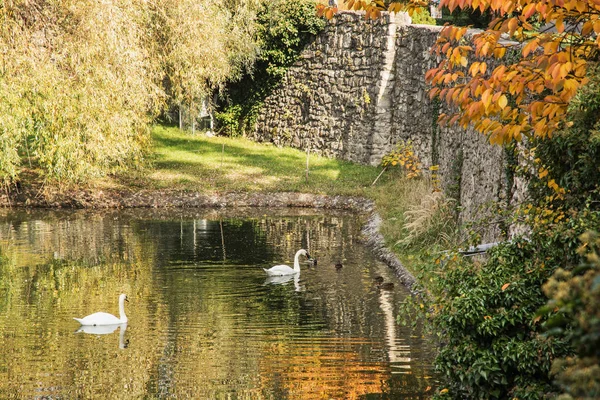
<point>198,328</point>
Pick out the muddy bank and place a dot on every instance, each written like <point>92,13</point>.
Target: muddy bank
<point>166,199</point>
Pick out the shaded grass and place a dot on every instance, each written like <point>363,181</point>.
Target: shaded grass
<point>219,164</point>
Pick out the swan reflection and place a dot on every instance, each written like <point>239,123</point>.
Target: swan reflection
<point>105,330</point>
<point>284,279</point>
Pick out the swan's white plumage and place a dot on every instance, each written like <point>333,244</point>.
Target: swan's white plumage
<point>280,270</point>
<point>102,318</point>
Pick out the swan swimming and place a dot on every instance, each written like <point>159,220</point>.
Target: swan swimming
<point>280,270</point>
<point>102,318</point>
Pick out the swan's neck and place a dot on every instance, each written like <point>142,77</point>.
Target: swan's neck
<point>297,262</point>
<point>122,315</point>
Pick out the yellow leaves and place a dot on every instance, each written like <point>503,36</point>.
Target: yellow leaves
<point>486,98</point>
<point>531,46</point>
<point>554,186</point>
<point>404,156</point>
<point>395,7</point>
<point>505,286</point>
<point>551,47</point>
<point>502,101</point>
<point>444,391</point>
<point>543,172</point>
<point>499,52</point>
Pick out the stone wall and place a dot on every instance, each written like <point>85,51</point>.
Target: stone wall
<point>359,89</point>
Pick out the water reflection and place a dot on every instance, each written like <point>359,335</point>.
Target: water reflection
<point>203,321</point>
<point>284,279</point>
<point>105,330</point>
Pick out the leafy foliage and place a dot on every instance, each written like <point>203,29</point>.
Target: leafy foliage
<point>526,96</point>
<point>403,156</point>
<point>76,89</point>
<point>575,295</point>
<point>201,45</point>
<point>284,28</point>
<point>80,81</point>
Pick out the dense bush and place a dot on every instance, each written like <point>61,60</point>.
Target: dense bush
<point>75,88</point>
<point>574,308</point>
<point>500,338</point>
<point>285,27</point>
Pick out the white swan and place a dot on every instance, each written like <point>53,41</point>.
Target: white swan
<point>280,270</point>
<point>102,318</point>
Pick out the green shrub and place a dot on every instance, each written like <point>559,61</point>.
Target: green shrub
<point>501,336</point>
<point>423,17</point>
<point>285,27</point>
<point>574,310</point>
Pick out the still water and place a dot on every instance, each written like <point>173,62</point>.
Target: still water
<point>204,320</point>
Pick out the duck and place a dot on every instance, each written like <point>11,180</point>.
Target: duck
<point>280,270</point>
<point>102,318</point>
<point>339,266</point>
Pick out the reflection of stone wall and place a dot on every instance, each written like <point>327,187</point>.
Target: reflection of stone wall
<point>359,89</point>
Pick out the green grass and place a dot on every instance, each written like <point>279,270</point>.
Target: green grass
<point>182,161</point>
<point>219,164</point>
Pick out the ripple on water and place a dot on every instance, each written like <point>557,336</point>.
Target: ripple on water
<point>204,319</point>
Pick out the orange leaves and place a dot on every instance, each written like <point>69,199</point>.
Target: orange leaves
<point>505,286</point>
<point>526,95</point>
<point>327,12</point>
<point>531,46</point>
<point>528,10</point>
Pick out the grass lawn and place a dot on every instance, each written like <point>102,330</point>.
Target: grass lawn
<point>182,161</point>
<point>221,164</point>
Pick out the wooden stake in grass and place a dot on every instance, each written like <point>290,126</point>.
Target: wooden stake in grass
<point>381,173</point>
<point>307,153</point>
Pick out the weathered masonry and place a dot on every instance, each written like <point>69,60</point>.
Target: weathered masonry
<point>359,89</point>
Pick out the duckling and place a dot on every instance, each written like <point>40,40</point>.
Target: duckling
<point>339,266</point>
<point>378,280</point>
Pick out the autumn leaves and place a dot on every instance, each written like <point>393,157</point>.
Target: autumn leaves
<point>517,77</point>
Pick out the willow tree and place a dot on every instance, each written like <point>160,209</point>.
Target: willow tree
<point>81,80</point>
<point>75,87</point>
<point>201,44</point>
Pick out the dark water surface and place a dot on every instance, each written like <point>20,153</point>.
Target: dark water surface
<point>204,321</point>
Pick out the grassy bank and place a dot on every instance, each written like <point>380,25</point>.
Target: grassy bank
<point>182,161</point>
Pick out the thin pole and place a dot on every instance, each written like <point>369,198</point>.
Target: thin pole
<point>381,173</point>
<point>222,240</point>
<point>307,154</point>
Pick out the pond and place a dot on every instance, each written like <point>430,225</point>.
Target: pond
<point>204,320</point>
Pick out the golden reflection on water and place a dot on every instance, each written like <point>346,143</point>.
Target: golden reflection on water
<point>203,323</point>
